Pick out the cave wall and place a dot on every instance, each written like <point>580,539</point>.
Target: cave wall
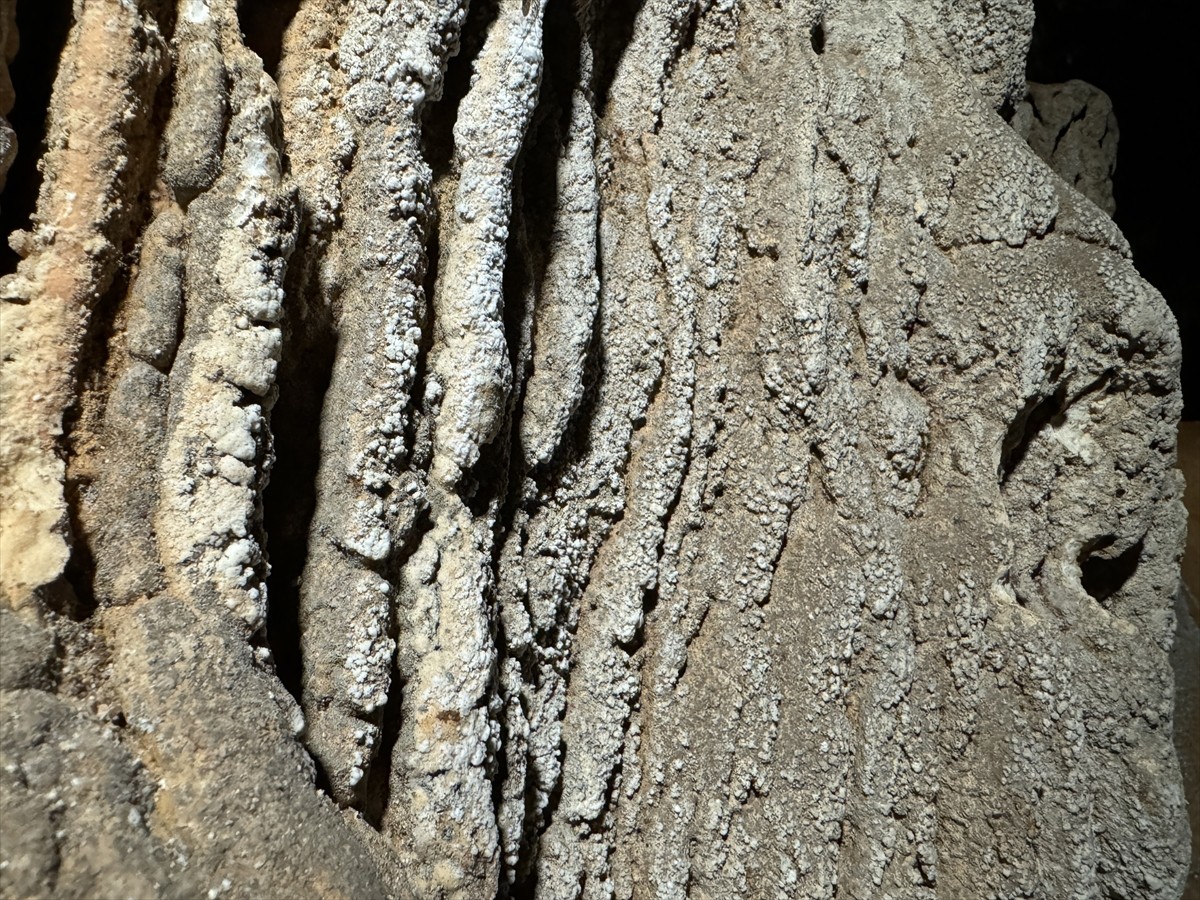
<point>547,449</point>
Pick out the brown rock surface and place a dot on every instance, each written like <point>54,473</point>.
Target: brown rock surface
<point>581,450</point>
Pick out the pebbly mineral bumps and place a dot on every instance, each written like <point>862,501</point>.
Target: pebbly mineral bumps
<point>566,450</point>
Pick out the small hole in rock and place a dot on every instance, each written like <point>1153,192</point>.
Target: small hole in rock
<point>1025,428</point>
<point>1103,576</point>
<point>817,36</point>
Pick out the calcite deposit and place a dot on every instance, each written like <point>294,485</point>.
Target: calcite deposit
<point>566,449</point>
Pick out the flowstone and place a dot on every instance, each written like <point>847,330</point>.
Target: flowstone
<point>569,450</point>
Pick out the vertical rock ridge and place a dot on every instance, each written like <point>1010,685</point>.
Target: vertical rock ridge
<point>367,502</point>
<point>239,237</point>
<point>443,763</point>
<point>69,259</point>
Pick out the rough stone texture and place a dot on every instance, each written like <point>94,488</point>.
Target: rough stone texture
<point>694,450</point>
<point>1185,655</point>
<point>1185,660</point>
<point>1072,127</point>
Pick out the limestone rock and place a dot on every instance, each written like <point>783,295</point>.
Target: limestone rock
<point>1072,127</point>
<point>570,450</point>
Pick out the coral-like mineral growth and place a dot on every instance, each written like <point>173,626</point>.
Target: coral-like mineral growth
<point>582,449</point>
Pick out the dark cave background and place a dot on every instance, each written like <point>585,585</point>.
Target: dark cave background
<point>1140,54</point>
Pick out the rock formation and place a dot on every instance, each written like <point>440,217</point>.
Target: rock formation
<point>582,449</point>
<point>1072,127</point>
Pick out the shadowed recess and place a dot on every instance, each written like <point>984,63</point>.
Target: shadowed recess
<point>263,24</point>
<point>290,497</point>
<point>43,29</point>
<point>1037,414</point>
<point>1102,576</point>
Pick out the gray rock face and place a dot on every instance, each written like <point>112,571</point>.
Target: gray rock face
<point>710,452</point>
<point>1072,127</point>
